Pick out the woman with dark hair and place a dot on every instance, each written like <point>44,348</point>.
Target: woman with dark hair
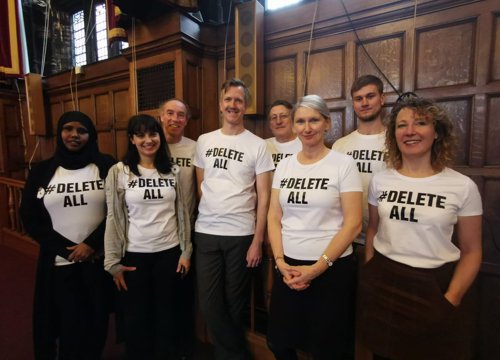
<point>315,214</point>
<point>415,276</point>
<point>64,210</point>
<point>147,241</point>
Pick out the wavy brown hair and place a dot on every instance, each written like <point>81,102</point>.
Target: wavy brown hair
<point>443,148</point>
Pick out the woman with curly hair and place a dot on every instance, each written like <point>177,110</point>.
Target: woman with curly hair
<point>415,276</point>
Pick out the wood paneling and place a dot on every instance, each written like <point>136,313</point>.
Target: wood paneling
<point>69,106</point>
<point>495,62</point>
<point>103,109</point>
<point>56,111</point>
<point>280,80</point>
<point>87,107</point>
<point>121,144</point>
<point>388,55</point>
<point>337,127</point>
<point>493,133</point>
<point>122,106</point>
<point>460,111</point>
<point>445,55</point>
<point>326,73</point>
<point>106,143</point>
<point>491,226</point>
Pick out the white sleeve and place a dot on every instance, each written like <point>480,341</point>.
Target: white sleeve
<point>198,155</point>
<point>264,161</point>
<point>472,204</point>
<point>350,180</point>
<point>372,192</point>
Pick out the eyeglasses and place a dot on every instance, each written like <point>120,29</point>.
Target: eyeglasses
<point>282,117</point>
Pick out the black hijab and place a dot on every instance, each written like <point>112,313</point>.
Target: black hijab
<point>88,154</point>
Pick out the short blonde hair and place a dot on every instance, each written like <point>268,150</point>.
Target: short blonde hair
<point>234,83</point>
<point>443,148</point>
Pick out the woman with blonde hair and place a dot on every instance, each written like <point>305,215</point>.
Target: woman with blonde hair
<point>415,276</point>
<point>315,214</point>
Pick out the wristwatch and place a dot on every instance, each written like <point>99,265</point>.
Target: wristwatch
<point>328,261</point>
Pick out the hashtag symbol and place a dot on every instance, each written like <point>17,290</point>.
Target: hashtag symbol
<point>50,189</point>
<point>383,196</point>
<point>132,184</point>
<point>208,153</point>
<point>283,183</point>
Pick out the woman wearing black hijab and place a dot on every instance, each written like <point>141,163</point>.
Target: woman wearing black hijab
<point>64,210</point>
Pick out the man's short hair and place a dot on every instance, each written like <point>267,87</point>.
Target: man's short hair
<point>234,83</point>
<point>366,80</point>
<point>162,107</point>
<point>283,103</point>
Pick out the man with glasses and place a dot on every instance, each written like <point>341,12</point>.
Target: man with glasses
<point>285,142</point>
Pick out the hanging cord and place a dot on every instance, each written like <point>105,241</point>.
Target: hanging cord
<point>309,52</point>
<point>71,87</point>
<point>45,35</point>
<point>225,42</point>
<point>363,46</point>
<point>22,119</point>
<point>76,94</point>
<point>414,28</point>
<point>88,23</point>
<point>134,63</point>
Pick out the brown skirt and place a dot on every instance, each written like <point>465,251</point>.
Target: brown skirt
<point>404,314</point>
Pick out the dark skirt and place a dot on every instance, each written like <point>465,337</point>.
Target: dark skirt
<point>404,314</point>
<point>319,319</point>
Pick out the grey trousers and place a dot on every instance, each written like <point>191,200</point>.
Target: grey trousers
<point>222,278</point>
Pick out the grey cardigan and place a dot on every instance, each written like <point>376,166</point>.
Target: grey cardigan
<point>117,224</point>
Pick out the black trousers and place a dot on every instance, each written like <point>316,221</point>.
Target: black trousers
<point>222,278</point>
<point>149,312</point>
<point>83,315</point>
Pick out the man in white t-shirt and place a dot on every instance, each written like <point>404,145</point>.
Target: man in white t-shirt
<point>174,116</point>
<point>366,144</point>
<point>233,171</point>
<point>285,142</point>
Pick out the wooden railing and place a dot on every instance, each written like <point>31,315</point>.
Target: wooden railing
<point>12,231</point>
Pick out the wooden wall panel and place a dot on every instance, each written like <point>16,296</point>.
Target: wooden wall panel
<point>103,109</point>
<point>388,55</point>
<point>106,143</point>
<point>491,226</point>
<point>460,111</point>
<point>69,106</point>
<point>337,127</point>
<point>121,144</point>
<point>493,133</point>
<point>86,106</point>
<point>326,73</point>
<point>445,55</point>
<point>122,106</point>
<point>280,80</point>
<point>495,62</point>
<point>56,111</point>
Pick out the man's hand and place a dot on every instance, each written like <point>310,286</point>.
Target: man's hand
<point>254,254</point>
<point>81,252</point>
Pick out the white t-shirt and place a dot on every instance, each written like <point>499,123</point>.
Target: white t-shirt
<point>310,200</point>
<point>230,163</point>
<point>417,215</point>
<point>368,152</point>
<point>150,200</point>
<point>183,155</point>
<point>279,151</point>
<point>76,203</point>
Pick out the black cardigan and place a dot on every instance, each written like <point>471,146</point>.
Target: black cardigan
<point>38,224</point>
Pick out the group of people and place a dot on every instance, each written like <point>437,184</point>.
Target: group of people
<point>385,188</point>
